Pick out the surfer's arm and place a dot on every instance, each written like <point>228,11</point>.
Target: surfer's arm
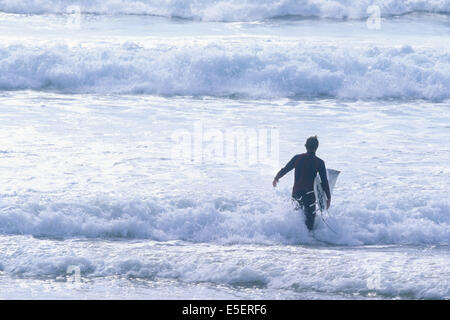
<point>324,179</point>
<point>288,167</point>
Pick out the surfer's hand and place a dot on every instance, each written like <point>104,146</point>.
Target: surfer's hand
<point>274,183</point>
<point>328,203</point>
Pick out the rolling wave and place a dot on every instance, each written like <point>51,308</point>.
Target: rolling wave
<point>226,220</point>
<point>229,10</point>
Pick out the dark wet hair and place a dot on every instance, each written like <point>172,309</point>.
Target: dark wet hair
<point>312,143</point>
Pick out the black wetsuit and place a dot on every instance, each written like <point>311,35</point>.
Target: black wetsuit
<point>306,167</point>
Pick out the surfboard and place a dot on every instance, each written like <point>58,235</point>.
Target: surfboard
<point>321,197</point>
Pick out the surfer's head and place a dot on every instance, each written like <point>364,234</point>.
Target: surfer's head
<point>312,143</point>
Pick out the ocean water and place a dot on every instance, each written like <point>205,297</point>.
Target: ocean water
<point>139,140</point>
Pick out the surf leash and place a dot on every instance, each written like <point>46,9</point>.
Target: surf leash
<point>323,219</point>
<point>321,209</point>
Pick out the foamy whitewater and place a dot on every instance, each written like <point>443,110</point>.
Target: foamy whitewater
<point>100,199</point>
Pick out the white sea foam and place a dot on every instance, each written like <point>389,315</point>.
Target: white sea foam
<point>380,270</point>
<point>230,10</point>
<point>254,69</point>
<point>209,221</point>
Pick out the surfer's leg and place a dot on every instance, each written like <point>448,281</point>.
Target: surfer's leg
<point>309,220</point>
<point>298,197</point>
<point>306,202</point>
<point>309,201</point>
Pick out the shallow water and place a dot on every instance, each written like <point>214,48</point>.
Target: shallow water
<point>86,186</point>
<point>145,269</point>
<point>137,151</point>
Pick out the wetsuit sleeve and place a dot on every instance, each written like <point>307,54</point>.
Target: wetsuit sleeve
<point>324,179</point>
<point>289,166</point>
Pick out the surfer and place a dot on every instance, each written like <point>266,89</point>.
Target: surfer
<point>306,167</point>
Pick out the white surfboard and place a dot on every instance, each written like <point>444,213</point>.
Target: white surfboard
<point>321,197</point>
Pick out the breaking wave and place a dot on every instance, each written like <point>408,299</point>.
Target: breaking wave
<point>226,220</point>
<point>229,10</point>
<point>258,69</point>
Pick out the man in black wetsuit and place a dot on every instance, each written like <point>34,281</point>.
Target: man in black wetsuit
<point>306,167</point>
